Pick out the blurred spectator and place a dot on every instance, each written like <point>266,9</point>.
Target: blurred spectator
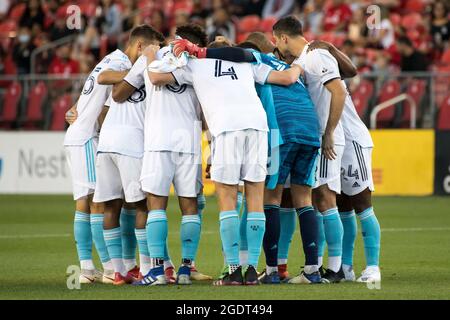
<point>337,16</point>
<point>4,8</point>
<point>357,29</point>
<point>411,59</point>
<point>130,15</point>
<point>157,20</point>
<point>440,25</point>
<point>247,7</point>
<point>220,25</point>
<point>62,63</point>
<point>108,18</point>
<point>382,36</point>
<point>44,58</point>
<point>22,50</point>
<point>59,29</point>
<point>33,16</point>
<point>277,8</point>
<point>381,68</point>
<point>313,15</point>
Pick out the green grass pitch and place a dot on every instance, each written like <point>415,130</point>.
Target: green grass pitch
<point>37,246</point>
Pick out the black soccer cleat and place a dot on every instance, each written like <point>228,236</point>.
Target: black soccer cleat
<point>251,276</point>
<point>333,277</point>
<point>233,279</point>
<point>321,271</point>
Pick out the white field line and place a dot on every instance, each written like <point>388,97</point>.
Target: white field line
<point>66,235</point>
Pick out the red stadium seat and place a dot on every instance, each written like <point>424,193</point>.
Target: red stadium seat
<point>445,59</point>
<point>88,9</point>
<point>8,29</point>
<point>242,37</point>
<point>416,89</point>
<point>249,24</point>
<point>444,115</point>
<point>59,109</point>
<point>361,97</point>
<point>412,21</point>
<point>267,24</point>
<point>389,90</point>
<point>36,99</point>
<point>441,83</point>
<point>414,5</point>
<point>395,18</point>
<point>11,103</point>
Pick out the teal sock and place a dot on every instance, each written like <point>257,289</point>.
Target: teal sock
<point>348,242</point>
<point>127,225</point>
<point>334,232</point>
<point>288,221</point>
<point>157,233</point>
<point>83,235</point>
<point>371,236</point>
<point>113,240</point>
<point>321,237</point>
<point>141,237</point>
<point>243,243</point>
<point>201,203</point>
<point>190,236</point>
<point>229,233</point>
<point>256,226</point>
<point>239,200</point>
<point>97,236</point>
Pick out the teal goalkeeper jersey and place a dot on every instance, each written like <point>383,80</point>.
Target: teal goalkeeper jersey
<point>296,116</point>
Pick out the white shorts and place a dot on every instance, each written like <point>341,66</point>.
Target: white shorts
<point>329,171</point>
<point>162,168</point>
<point>118,178</point>
<point>239,155</point>
<point>356,169</point>
<point>81,160</point>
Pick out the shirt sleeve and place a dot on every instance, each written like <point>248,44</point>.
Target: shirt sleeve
<point>135,76</point>
<point>183,75</point>
<point>321,63</point>
<point>261,72</point>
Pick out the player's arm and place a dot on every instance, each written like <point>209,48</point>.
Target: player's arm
<point>121,91</point>
<point>285,77</point>
<point>102,115</point>
<point>109,77</point>
<point>338,95</point>
<point>346,66</point>
<point>71,114</point>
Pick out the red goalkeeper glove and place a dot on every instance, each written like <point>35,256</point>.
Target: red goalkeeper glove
<point>181,45</point>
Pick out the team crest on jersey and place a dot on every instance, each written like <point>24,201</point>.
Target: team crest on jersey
<point>176,88</point>
<point>219,73</point>
<point>88,85</point>
<point>138,95</point>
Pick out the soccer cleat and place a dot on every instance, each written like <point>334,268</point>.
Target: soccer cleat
<point>233,279</point>
<point>371,274</point>
<point>306,278</point>
<point>108,276</point>
<point>134,272</point>
<point>273,278</point>
<point>120,280</point>
<point>333,277</point>
<point>321,271</point>
<point>349,274</point>
<point>283,273</point>
<point>87,276</point>
<point>196,275</point>
<point>184,275</point>
<point>251,276</point>
<point>153,278</point>
<point>171,275</point>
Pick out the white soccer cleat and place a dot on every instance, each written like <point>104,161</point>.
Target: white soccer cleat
<point>349,273</point>
<point>371,274</point>
<point>88,276</point>
<point>108,276</point>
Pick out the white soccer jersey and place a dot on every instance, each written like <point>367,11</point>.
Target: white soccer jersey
<point>123,129</point>
<point>93,98</point>
<point>354,128</point>
<point>172,117</point>
<point>227,93</point>
<point>320,67</point>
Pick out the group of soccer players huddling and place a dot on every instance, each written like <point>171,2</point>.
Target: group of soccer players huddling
<point>285,141</point>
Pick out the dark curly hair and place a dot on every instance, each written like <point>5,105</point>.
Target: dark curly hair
<point>194,33</point>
